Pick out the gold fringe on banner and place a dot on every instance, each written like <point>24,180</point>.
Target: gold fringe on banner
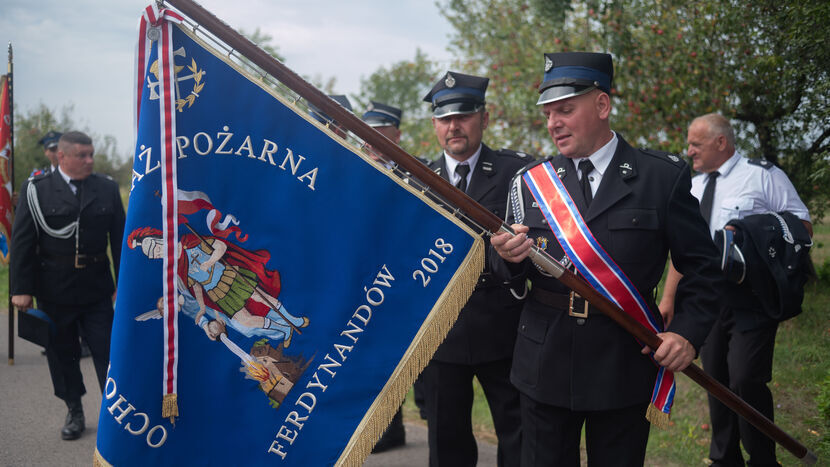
<point>170,407</point>
<point>432,333</point>
<point>99,461</point>
<point>657,417</point>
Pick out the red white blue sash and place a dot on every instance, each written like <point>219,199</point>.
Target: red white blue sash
<point>157,25</point>
<point>597,267</point>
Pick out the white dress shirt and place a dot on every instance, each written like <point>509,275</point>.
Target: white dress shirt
<point>452,163</point>
<point>743,189</point>
<point>67,180</point>
<point>601,159</point>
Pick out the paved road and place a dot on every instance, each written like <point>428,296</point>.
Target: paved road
<point>31,417</point>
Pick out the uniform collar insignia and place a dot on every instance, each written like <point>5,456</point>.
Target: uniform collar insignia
<point>437,170</point>
<point>674,158</point>
<point>626,170</point>
<point>487,166</point>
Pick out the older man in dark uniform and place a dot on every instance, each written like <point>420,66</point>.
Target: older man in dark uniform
<point>573,365</point>
<point>64,222</point>
<point>481,342</point>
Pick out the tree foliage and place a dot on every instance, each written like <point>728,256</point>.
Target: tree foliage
<point>764,65</point>
<point>29,128</point>
<point>404,85</point>
<point>264,41</point>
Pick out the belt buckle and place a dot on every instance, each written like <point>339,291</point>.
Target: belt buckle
<point>577,314</point>
<point>78,265</point>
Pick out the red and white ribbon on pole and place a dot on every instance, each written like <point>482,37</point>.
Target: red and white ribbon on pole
<point>157,26</point>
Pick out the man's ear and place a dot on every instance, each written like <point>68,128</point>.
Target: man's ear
<point>721,141</point>
<point>603,105</point>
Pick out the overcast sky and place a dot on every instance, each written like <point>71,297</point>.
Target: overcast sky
<point>81,52</point>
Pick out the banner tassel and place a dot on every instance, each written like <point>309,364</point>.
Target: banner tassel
<point>170,407</point>
<point>657,417</point>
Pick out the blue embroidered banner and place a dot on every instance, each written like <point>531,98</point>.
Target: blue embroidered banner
<point>309,285</point>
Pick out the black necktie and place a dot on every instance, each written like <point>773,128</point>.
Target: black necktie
<point>708,196</point>
<point>79,184</point>
<point>585,167</point>
<point>462,170</point>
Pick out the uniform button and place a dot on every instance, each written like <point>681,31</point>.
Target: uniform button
<point>524,327</point>
<point>635,221</point>
<point>580,321</point>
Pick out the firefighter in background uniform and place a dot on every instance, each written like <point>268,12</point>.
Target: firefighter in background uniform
<point>480,344</point>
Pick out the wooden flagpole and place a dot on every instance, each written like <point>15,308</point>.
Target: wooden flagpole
<point>475,211</point>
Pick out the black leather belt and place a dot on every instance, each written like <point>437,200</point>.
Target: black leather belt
<point>576,306</point>
<point>78,261</point>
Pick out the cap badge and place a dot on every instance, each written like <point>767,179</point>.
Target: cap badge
<point>548,64</point>
<point>542,243</point>
<point>450,81</point>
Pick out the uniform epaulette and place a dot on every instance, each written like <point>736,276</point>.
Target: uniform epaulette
<point>663,155</point>
<point>38,177</point>
<point>760,162</point>
<point>517,154</point>
<point>532,164</point>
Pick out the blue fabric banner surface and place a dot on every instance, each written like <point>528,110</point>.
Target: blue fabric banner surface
<point>311,284</point>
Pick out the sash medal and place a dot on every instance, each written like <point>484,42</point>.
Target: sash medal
<point>598,268</point>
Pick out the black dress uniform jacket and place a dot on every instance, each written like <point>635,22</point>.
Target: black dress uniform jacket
<point>486,327</point>
<point>44,266</point>
<point>641,211</point>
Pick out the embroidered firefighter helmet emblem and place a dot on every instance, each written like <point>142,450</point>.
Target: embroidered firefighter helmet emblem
<point>196,75</point>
